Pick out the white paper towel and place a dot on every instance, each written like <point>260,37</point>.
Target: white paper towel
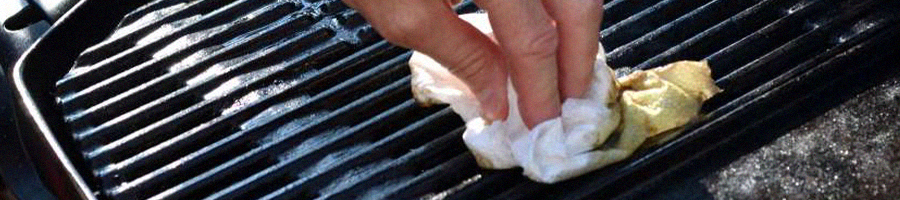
<point>652,102</point>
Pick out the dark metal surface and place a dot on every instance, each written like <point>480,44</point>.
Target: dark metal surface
<point>300,99</point>
<point>52,10</point>
<point>58,171</point>
<point>18,33</point>
<point>19,178</point>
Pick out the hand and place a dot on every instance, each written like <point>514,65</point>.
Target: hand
<point>547,47</point>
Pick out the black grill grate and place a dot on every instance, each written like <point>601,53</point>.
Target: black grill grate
<point>301,99</point>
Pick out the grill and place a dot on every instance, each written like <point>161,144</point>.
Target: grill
<point>216,99</point>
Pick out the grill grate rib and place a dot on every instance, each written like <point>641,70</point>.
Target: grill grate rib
<point>675,32</point>
<point>216,99</point>
<point>171,54</point>
<point>83,75</point>
<point>642,22</point>
<point>249,131</point>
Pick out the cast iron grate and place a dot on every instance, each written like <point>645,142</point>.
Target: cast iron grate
<point>301,99</point>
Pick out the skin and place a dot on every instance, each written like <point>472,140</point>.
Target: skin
<point>546,47</point>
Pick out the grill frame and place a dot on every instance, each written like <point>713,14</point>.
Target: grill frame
<point>40,121</point>
<point>45,62</point>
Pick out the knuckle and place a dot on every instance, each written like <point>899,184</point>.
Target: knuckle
<point>539,43</point>
<point>472,68</point>
<point>403,29</point>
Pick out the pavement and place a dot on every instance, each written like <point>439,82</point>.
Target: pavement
<point>850,152</point>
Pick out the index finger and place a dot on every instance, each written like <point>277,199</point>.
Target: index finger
<point>529,41</point>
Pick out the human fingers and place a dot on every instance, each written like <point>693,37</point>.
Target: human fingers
<point>529,41</point>
<point>578,25</point>
<point>431,27</point>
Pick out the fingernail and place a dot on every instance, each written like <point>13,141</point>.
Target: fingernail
<point>491,106</point>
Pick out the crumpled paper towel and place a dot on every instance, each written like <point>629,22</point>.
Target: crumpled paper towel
<point>632,109</point>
